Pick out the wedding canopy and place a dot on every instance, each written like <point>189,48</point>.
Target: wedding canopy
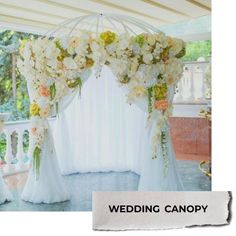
<point>146,65</point>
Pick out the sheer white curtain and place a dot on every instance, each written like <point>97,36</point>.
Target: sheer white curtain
<point>5,194</point>
<point>100,131</point>
<point>50,186</point>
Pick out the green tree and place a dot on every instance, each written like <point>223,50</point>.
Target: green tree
<point>197,49</point>
<point>18,106</point>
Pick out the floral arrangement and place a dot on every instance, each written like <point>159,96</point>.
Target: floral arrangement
<point>206,113</point>
<point>147,64</point>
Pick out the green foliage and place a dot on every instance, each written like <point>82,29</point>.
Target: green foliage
<point>140,39</point>
<point>52,91</point>
<point>36,160</point>
<point>150,100</point>
<point>2,146</point>
<point>18,110</point>
<point>9,43</point>
<point>197,49</point>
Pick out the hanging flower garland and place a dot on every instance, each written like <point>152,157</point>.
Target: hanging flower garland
<point>147,64</point>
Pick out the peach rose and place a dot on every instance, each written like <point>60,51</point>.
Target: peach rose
<point>44,91</point>
<point>161,104</point>
<point>74,42</point>
<point>45,112</point>
<point>33,130</point>
<point>170,80</point>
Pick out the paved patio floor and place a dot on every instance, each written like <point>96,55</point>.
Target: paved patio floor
<point>82,185</point>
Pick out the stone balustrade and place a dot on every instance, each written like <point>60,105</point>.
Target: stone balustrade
<point>14,156</point>
<point>192,89</point>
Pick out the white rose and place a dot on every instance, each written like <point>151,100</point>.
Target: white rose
<point>111,48</point>
<point>52,63</point>
<point>151,40</point>
<point>43,102</point>
<point>136,48</point>
<point>157,50</point>
<point>69,63</point>
<point>64,42</point>
<point>147,58</point>
<point>81,49</point>
<point>51,51</point>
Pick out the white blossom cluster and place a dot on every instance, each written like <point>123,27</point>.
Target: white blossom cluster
<point>53,67</point>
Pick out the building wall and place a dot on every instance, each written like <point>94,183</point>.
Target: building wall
<point>190,137</point>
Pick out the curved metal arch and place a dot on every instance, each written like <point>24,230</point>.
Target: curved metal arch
<point>98,20</point>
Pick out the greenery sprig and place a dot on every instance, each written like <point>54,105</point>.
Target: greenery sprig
<point>36,161</point>
<point>150,96</point>
<point>164,148</point>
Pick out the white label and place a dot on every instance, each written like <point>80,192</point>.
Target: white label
<point>158,210</point>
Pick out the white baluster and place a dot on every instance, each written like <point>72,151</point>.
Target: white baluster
<point>180,91</point>
<point>203,95</point>
<point>20,151</point>
<point>179,94</point>
<point>8,156</point>
<point>20,127</point>
<point>191,98</point>
<point>204,85</point>
<point>191,88</point>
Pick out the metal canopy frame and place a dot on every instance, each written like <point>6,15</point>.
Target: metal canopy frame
<point>102,22</point>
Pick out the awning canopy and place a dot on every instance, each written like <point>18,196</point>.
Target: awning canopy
<point>37,16</point>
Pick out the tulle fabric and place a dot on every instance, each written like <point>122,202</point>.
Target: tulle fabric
<point>100,131</point>
<point>5,194</point>
<point>153,175</point>
<point>50,186</point>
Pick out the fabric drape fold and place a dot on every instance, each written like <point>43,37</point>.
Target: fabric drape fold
<point>5,195</point>
<point>50,187</point>
<point>101,132</point>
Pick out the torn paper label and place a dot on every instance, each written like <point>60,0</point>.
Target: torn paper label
<point>158,210</point>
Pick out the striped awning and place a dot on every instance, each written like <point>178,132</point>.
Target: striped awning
<point>37,16</point>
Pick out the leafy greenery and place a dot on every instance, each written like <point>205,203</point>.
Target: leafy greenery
<point>2,146</point>
<point>194,50</point>
<point>150,99</point>
<point>19,108</point>
<point>36,160</point>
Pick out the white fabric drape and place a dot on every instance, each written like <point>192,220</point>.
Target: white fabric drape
<point>100,131</point>
<point>49,187</point>
<point>153,176</point>
<point>5,194</point>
